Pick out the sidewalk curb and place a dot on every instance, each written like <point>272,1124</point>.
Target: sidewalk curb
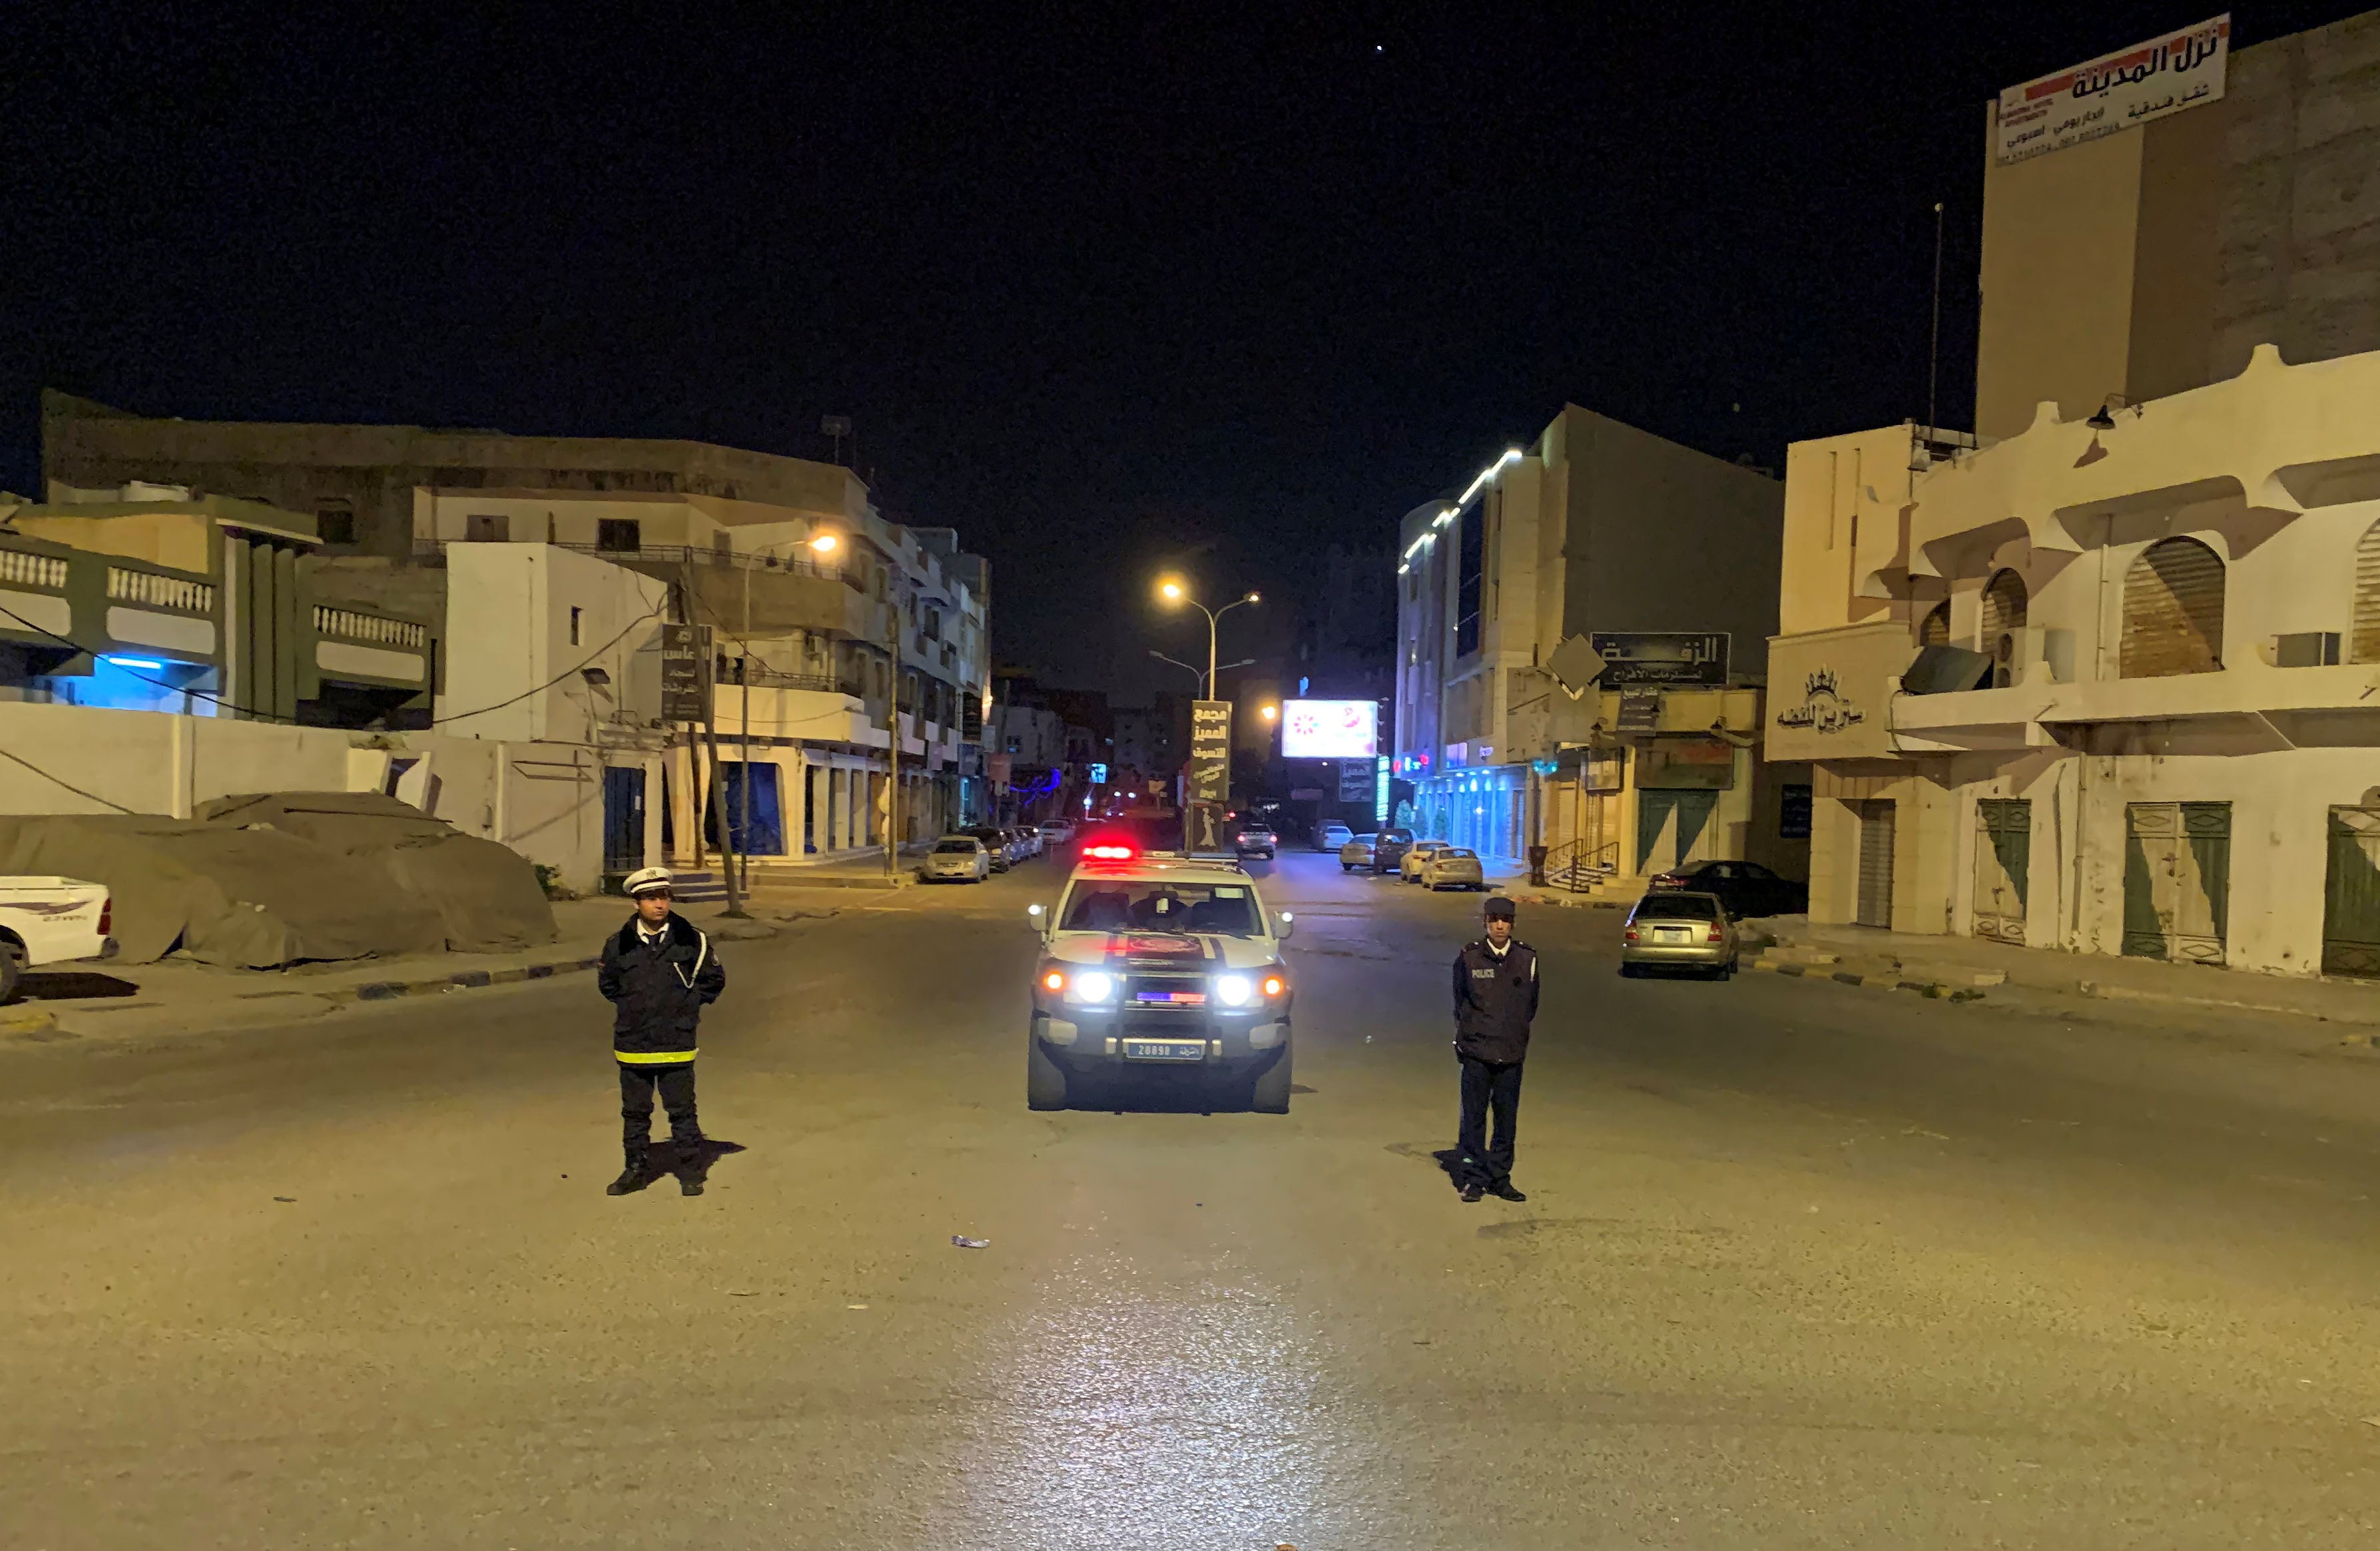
<point>461,980</point>
<point>1931,990</point>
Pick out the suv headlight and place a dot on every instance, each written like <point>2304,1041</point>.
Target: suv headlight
<point>1233,991</point>
<point>1092,986</point>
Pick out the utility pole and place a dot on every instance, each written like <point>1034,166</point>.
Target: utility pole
<point>727,854</point>
<point>892,747</point>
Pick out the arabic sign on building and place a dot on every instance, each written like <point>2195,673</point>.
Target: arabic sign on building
<point>2149,80</point>
<point>1210,751</point>
<point>1640,711</point>
<point>1635,657</point>
<point>1827,692</point>
<point>684,647</point>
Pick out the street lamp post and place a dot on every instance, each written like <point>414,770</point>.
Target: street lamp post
<point>1194,673</point>
<point>825,543</point>
<point>1174,592</point>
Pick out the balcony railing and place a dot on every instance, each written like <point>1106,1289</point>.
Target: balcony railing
<point>432,552</point>
<point>758,677</point>
<point>180,594</point>
<point>46,571</point>
<point>348,624</point>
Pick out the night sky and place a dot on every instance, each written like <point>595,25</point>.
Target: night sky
<point>1100,287</point>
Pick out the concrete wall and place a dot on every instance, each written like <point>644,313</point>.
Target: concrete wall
<point>524,620</point>
<point>1660,536</point>
<point>544,800</point>
<point>1844,500</point>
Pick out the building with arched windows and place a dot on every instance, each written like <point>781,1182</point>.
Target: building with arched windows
<point>2110,685</point>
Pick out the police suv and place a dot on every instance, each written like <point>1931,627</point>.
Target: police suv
<point>1157,960</point>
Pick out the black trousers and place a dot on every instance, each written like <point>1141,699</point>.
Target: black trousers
<point>1487,1084</point>
<point>637,1085</point>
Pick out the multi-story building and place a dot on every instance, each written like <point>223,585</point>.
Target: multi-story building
<point>1596,530</point>
<point>813,649</point>
<point>2098,679</point>
<point>2100,687</point>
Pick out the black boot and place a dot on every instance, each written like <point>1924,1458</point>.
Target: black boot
<point>691,1166</point>
<point>636,1176</point>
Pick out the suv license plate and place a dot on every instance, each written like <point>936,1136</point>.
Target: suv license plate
<point>1164,1049</point>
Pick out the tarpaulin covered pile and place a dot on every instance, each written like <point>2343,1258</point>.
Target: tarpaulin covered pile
<point>486,896</point>
<point>251,883</point>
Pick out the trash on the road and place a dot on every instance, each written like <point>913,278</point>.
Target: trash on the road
<point>2372,1422</point>
<point>963,1242</point>
<point>291,1199</point>
<point>854,1305</point>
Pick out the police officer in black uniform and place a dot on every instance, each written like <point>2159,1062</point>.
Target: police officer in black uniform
<point>1495,999</point>
<point>660,973</point>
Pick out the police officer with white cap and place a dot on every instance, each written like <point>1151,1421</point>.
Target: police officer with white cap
<point>660,973</point>
<point>1495,1001</point>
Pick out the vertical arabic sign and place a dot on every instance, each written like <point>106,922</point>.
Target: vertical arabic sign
<point>1210,751</point>
<point>2149,80</point>
<point>683,648</point>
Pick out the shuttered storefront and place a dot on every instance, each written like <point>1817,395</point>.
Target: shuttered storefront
<point>2003,860</point>
<point>2173,610</point>
<point>1876,822</point>
<point>2176,880</point>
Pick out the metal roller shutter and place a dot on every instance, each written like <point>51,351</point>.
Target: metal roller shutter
<point>2365,647</point>
<point>1875,864</point>
<point>2173,610</point>
<point>2004,602</point>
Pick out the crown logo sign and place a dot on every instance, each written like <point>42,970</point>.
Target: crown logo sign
<point>1820,683</point>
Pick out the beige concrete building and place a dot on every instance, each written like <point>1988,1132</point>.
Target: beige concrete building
<point>1596,529</point>
<point>2153,260</point>
<point>2146,723</point>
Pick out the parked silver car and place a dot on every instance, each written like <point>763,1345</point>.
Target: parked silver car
<point>957,859</point>
<point>1356,853</point>
<point>1673,929</point>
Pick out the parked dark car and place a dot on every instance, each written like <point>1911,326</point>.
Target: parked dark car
<point>996,842</point>
<point>1388,850</point>
<point>1745,888</point>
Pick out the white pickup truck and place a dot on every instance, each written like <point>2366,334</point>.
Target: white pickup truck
<point>50,920</point>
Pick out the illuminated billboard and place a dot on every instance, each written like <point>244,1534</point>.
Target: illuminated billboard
<point>1329,729</point>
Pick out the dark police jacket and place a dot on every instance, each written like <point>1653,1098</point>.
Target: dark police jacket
<point>1494,1000</point>
<point>659,992</point>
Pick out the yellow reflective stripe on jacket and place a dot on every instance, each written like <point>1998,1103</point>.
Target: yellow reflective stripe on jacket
<point>651,1057</point>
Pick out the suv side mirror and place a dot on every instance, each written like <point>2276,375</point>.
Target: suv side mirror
<point>1288,926</point>
<point>1040,917</point>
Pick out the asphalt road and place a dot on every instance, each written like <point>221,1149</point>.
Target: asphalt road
<point>1802,1265</point>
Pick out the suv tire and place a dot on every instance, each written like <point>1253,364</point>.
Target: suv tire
<point>1270,1094</point>
<point>1045,1080</point>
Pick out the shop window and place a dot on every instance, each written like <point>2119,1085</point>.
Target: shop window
<point>2173,611</point>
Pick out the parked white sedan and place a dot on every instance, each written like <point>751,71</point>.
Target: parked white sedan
<point>1409,866</point>
<point>50,920</point>
<point>957,859</point>
<point>1452,867</point>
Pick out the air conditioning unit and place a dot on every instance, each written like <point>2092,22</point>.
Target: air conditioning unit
<point>2032,654</point>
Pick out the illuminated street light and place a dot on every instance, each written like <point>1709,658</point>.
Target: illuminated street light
<point>1173,591</point>
<point>1270,713</point>
<point>825,543</point>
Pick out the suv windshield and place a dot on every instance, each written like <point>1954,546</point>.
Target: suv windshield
<point>1162,904</point>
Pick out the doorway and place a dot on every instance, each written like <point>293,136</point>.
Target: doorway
<point>2351,894</point>
<point>624,818</point>
<point>1672,827</point>
<point>2176,880</point>
<point>2003,859</point>
<point>766,836</point>
<point>1875,827</point>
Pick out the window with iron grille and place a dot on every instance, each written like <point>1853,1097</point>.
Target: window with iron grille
<point>2173,611</point>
